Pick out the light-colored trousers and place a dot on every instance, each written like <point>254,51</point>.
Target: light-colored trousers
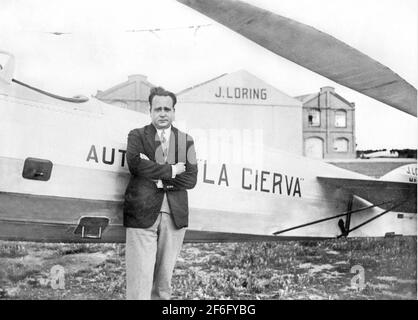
<point>151,255</point>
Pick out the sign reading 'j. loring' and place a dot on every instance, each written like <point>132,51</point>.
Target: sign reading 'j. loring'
<point>241,93</point>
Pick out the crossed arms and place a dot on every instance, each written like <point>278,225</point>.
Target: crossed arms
<point>140,165</point>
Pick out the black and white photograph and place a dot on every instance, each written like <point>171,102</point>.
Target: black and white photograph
<point>243,150</point>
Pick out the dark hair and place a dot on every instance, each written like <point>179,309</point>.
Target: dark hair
<point>160,91</point>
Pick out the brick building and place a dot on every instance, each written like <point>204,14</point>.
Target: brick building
<point>132,94</point>
<point>328,125</point>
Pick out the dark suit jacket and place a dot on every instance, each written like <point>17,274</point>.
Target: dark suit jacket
<point>142,197</point>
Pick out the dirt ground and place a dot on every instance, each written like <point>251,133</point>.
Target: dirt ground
<point>332,269</point>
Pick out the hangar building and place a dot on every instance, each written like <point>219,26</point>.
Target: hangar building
<point>319,125</point>
<point>241,101</point>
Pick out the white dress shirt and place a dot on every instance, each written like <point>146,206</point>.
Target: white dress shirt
<point>165,207</point>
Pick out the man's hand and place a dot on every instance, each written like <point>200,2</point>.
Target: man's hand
<point>180,167</point>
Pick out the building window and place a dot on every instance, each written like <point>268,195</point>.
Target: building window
<point>340,119</point>
<point>341,145</point>
<point>314,118</point>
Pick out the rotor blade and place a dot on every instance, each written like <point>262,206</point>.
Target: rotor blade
<point>312,49</point>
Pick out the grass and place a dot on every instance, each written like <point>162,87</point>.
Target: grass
<point>260,270</point>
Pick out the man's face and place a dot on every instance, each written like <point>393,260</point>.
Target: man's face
<point>162,112</point>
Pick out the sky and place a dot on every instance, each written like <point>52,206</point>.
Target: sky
<point>98,52</point>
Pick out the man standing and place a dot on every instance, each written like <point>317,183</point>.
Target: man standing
<point>162,162</point>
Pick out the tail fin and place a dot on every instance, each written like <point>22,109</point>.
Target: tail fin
<point>406,173</point>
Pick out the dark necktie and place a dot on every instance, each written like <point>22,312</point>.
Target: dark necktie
<point>164,145</point>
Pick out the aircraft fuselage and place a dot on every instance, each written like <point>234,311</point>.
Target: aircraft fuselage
<point>86,144</point>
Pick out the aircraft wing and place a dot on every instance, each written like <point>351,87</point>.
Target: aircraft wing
<point>312,49</point>
<point>378,191</point>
